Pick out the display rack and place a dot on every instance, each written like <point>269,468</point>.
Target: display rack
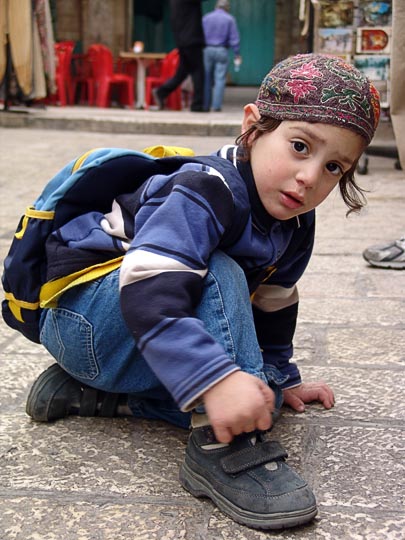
<point>360,32</point>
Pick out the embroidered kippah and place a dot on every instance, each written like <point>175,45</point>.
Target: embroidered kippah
<point>320,88</point>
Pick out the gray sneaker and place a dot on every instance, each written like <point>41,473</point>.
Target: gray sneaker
<point>248,480</point>
<point>390,255</point>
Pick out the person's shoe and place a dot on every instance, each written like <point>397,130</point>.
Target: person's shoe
<point>55,394</point>
<point>198,108</point>
<point>248,480</point>
<point>160,102</point>
<point>390,255</point>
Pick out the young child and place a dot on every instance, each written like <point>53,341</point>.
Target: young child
<point>197,324</point>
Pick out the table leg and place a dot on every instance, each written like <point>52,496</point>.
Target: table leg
<point>140,83</point>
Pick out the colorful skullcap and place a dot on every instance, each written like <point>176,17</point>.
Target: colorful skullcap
<point>320,88</point>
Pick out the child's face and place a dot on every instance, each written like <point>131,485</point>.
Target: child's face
<point>298,164</point>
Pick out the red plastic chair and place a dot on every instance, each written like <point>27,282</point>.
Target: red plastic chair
<point>168,68</point>
<point>82,80</point>
<point>127,67</point>
<point>102,68</point>
<point>63,54</point>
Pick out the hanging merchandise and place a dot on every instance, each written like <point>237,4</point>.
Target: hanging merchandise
<point>398,77</point>
<point>3,40</point>
<point>26,49</point>
<point>360,32</point>
<point>43,22</point>
<point>373,45</point>
<point>19,19</point>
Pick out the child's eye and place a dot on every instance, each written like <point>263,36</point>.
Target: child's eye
<point>300,147</point>
<point>334,168</point>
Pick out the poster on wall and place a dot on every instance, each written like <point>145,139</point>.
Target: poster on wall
<point>335,40</point>
<point>374,13</point>
<point>335,14</point>
<point>377,69</point>
<point>373,40</point>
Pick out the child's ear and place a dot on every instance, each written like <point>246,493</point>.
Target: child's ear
<point>251,115</point>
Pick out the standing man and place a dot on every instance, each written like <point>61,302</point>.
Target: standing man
<point>221,33</point>
<point>186,24</point>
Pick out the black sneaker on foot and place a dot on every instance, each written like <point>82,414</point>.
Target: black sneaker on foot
<point>248,480</point>
<point>55,394</point>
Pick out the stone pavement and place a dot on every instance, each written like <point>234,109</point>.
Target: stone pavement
<point>101,479</point>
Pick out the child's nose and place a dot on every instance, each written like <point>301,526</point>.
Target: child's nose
<point>309,174</point>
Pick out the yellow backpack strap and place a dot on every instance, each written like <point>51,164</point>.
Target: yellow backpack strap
<point>17,305</point>
<point>52,290</point>
<point>161,151</point>
<point>80,160</point>
<point>30,212</point>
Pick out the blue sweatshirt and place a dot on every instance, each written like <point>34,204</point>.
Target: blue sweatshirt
<point>167,230</point>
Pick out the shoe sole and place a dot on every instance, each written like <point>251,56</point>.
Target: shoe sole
<point>199,487</point>
<point>387,264</point>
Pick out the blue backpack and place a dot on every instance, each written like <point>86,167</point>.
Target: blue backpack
<point>89,183</point>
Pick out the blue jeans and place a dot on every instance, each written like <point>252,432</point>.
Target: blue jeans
<point>216,61</point>
<point>88,337</point>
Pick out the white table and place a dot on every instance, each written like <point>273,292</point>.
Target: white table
<point>142,61</point>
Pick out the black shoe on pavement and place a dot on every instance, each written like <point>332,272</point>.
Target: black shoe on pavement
<point>248,480</point>
<point>198,108</point>
<point>160,102</point>
<point>55,394</point>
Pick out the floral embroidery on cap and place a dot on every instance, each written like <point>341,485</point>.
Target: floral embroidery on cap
<point>307,71</point>
<point>320,88</point>
<point>299,88</point>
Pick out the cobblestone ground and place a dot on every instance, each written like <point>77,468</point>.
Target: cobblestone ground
<point>89,478</point>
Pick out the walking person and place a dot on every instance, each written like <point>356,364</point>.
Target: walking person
<point>186,24</point>
<point>221,34</point>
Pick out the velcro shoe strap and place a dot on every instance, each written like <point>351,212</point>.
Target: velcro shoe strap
<point>88,403</point>
<point>248,458</point>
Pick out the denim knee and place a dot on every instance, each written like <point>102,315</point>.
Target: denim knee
<point>275,380</point>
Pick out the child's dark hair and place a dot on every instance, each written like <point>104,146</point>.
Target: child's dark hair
<point>352,194</point>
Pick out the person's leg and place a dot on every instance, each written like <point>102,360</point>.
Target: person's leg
<point>195,67</point>
<point>209,61</point>
<point>181,73</point>
<point>226,312</point>
<point>248,479</point>
<point>221,69</point>
<point>89,339</point>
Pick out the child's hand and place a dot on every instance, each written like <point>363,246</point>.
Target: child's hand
<point>240,403</point>
<point>306,392</point>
